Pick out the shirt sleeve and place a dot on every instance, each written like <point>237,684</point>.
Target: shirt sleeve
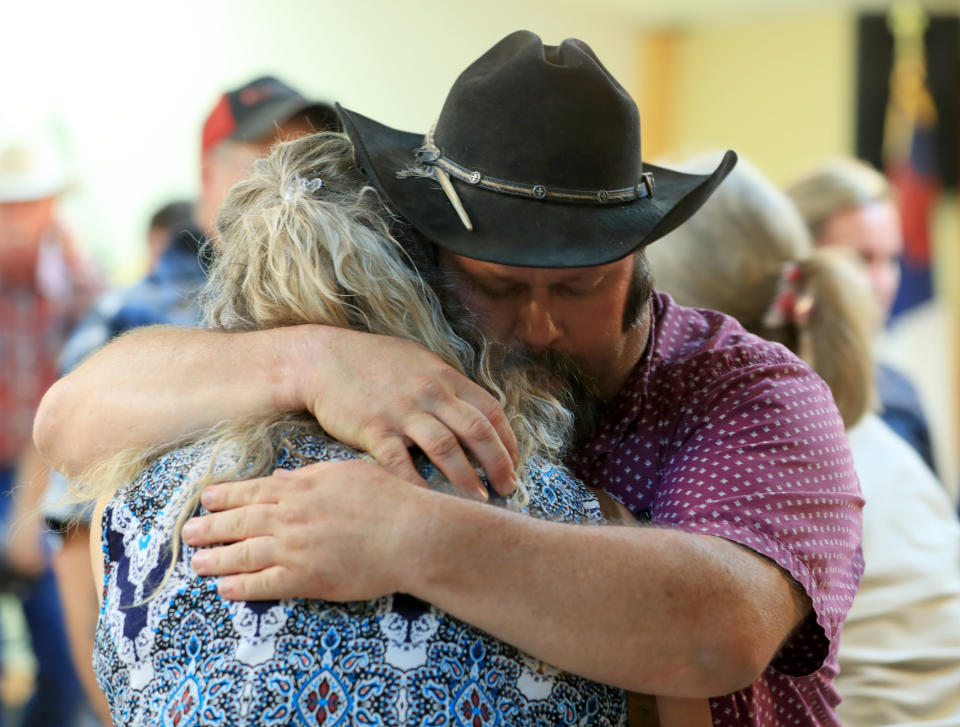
<point>761,458</point>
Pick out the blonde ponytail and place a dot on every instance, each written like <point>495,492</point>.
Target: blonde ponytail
<point>835,339</point>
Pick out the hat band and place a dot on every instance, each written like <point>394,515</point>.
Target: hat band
<point>434,158</point>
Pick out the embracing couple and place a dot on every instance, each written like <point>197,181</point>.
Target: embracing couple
<point>445,457</point>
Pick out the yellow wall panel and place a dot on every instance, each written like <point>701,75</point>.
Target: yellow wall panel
<point>778,90</point>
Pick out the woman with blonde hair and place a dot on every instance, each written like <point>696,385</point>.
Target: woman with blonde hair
<point>847,204</point>
<point>844,196</point>
<point>748,253</point>
<point>305,239</point>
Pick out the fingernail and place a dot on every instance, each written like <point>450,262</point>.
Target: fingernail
<point>209,497</point>
<point>190,530</point>
<point>225,587</point>
<point>199,560</point>
<point>481,494</point>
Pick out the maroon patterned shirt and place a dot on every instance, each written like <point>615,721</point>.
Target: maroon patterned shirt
<point>719,432</point>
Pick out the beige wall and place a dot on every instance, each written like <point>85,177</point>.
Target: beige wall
<point>132,82</point>
<point>777,90</point>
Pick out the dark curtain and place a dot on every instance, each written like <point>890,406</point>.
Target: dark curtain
<point>874,60</point>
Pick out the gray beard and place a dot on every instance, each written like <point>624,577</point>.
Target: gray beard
<point>564,376</point>
<point>561,374</point>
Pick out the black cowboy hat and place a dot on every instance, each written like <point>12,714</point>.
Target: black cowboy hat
<point>539,146</point>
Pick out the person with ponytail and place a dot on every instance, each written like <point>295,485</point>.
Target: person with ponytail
<point>749,254</point>
<point>845,203</point>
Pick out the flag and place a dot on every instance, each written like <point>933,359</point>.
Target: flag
<point>910,153</point>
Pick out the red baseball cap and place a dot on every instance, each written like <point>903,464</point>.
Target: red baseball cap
<point>250,112</point>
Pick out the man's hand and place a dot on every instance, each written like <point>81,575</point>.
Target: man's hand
<point>382,394</point>
<point>334,531</point>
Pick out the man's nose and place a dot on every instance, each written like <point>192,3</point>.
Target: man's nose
<point>538,327</point>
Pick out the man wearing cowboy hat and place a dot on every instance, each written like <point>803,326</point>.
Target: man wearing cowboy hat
<point>530,186</point>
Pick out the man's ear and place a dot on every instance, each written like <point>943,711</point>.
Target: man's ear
<point>205,213</point>
<point>206,172</point>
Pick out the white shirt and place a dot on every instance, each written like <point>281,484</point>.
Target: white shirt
<point>900,649</point>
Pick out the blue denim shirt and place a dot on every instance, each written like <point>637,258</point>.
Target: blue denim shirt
<point>168,295</point>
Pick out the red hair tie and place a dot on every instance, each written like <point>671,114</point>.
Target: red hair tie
<point>793,302</point>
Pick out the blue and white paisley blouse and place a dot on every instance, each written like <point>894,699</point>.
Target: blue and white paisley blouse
<point>188,658</point>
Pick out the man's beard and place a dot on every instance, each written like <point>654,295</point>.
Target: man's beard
<point>558,374</point>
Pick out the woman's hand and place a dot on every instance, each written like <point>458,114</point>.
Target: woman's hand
<point>337,531</point>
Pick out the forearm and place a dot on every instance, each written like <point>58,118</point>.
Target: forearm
<point>651,610</point>
<point>24,540</point>
<point>154,384</point>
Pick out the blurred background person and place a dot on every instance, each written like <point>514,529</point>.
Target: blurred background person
<point>165,295</point>
<point>164,224</point>
<point>44,288</point>
<point>847,203</point>
<point>243,125</point>
<point>748,253</point>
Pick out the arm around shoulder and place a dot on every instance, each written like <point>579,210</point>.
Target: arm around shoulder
<point>154,384</point>
<point>372,392</point>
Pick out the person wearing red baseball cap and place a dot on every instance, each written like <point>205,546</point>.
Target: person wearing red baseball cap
<point>243,125</point>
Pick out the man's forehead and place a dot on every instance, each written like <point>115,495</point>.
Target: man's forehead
<point>27,208</point>
<point>498,271</point>
<point>28,204</point>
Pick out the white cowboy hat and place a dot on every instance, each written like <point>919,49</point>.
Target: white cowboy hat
<point>31,167</point>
